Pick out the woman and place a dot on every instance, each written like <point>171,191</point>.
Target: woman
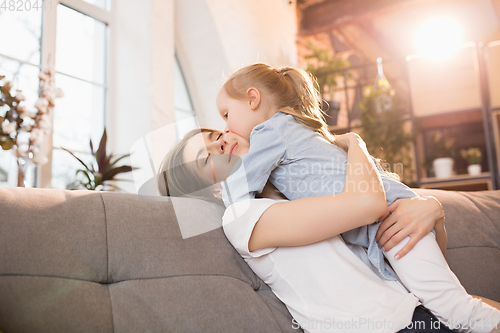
<point>294,245</point>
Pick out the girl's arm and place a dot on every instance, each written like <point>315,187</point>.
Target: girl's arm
<point>413,217</point>
<point>309,220</point>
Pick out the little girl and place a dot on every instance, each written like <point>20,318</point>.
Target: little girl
<point>290,144</point>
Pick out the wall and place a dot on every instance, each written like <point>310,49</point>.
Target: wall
<point>212,38</point>
<point>141,75</point>
<point>216,37</point>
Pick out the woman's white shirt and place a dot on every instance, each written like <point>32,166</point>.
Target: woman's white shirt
<point>325,286</point>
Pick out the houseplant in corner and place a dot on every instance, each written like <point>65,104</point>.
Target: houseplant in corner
<point>383,126</point>
<point>473,158</point>
<point>326,68</point>
<point>100,170</point>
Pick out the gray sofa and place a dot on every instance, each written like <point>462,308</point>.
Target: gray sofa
<point>81,261</point>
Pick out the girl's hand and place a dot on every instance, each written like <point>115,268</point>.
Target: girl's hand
<point>414,217</point>
<point>345,140</point>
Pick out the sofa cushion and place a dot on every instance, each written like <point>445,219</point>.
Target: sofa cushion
<point>110,262</point>
<point>74,261</point>
<point>473,227</point>
<point>45,232</point>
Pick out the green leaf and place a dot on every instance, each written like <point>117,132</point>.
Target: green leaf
<point>7,144</point>
<point>326,68</point>
<point>86,173</point>
<point>123,180</point>
<point>79,160</point>
<point>98,179</point>
<point>119,158</point>
<point>113,172</point>
<point>101,151</point>
<point>105,163</point>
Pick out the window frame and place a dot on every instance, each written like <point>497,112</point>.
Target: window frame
<point>178,110</point>
<point>48,49</point>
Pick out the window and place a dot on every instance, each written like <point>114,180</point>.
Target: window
<point>104,4</point>
<point>20,52</point>
<point>80,115</point>
<point>73,36</point>
<point>183,107</point>
<point>76,32</point>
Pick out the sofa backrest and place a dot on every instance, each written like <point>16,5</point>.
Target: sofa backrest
<point>74,261</point>
<point>473,227</point>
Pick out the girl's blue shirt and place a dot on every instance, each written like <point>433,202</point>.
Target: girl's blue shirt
<point>301,163</point>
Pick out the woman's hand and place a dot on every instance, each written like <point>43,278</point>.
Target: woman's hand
<point>414,217</point>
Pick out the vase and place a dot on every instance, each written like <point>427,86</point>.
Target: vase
<point>25,170</point>
<point>443,167</point>
<point>474,169</point>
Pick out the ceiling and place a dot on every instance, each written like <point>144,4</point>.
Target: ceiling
<point>387,28</point>
<point>363,30</point>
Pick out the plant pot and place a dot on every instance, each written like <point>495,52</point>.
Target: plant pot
<point>474,169</point>
<point>443,167</point>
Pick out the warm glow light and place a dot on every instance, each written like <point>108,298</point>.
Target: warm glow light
<point>440,37</point>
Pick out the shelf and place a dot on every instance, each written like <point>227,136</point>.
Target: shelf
<point>459,182</point>
<point>450,97</point>
<point>451,119</point>
<point>455,178</point>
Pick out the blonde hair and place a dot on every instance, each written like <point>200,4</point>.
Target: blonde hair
<point>176,179</point>
<point>291,89</point>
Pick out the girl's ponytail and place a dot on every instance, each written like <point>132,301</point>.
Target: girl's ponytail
<point>292,89</point>
<point>307,111</point>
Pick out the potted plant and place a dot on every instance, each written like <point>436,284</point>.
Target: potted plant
<point>23,129</point>
<point>101,170</point>
<point>473,158</point>
<point>441,152</point>
<point>326,68</point>
<point>383,127</point>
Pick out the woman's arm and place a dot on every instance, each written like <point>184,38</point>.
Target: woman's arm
<point>414,217</point>
<point>441,236</point>
<point>309,220</point>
